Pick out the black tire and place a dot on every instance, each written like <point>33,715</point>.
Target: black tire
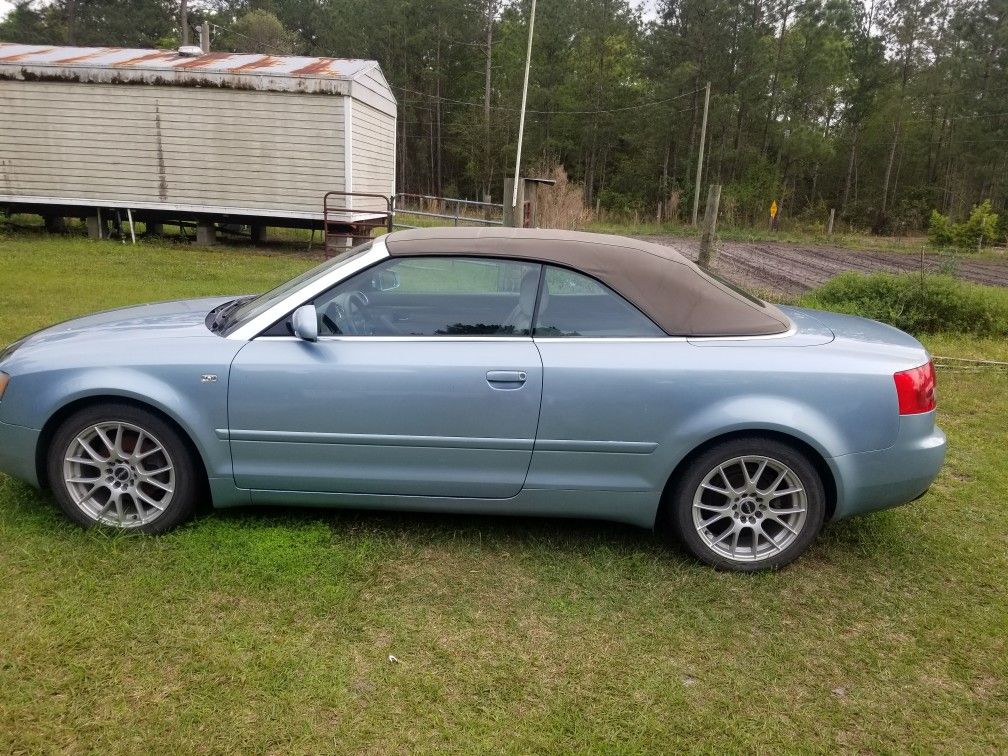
<point>185,478</point>
<point>680,510</point>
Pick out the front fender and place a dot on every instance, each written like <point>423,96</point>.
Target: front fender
<point>198,408</point>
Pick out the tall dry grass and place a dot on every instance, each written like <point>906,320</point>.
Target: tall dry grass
<point>561,205</point>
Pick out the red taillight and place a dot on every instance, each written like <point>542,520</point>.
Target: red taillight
<point>916,389</point>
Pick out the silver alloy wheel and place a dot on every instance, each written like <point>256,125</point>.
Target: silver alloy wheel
<point>118,474</point>
<point>749,508</point>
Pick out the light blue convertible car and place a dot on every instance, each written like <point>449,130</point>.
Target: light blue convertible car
<point>495,371</point>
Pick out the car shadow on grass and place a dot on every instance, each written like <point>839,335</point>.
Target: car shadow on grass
<point>435,527</point>
<point>882,537</point>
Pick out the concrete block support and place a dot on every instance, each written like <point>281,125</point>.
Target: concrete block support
<point>206,234</point>
<point>93,227</point>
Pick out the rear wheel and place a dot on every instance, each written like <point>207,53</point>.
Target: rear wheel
<point>119,466</point>
<point>748,504</point>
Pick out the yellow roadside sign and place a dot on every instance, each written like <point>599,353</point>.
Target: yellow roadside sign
<point>773,209</point>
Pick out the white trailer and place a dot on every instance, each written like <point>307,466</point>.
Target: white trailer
<point>215,137</point>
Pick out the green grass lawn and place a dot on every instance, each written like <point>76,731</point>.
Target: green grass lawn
<point>271,631</point>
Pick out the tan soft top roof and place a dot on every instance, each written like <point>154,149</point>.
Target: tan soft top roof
<point>668,288</point>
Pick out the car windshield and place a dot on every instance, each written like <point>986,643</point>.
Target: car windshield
<point>256,306</point>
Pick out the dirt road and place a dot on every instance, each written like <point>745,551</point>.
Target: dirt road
<point>791,269</point>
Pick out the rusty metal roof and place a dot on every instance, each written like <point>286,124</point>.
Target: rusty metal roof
<point>285,73</point>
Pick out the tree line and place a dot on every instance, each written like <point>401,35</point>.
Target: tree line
<point>883,109</point>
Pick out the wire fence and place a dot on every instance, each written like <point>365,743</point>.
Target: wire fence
<point>414,210</point>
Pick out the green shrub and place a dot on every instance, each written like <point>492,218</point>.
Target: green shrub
<point>981,226</point>
<point>932,305</point>
<point>941,230</point>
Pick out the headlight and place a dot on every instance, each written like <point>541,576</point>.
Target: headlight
<point>4,380</point>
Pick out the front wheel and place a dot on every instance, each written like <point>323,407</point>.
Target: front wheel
<point>748,504</point>
<point>122,467</point>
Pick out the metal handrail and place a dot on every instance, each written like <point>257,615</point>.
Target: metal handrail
<point>350,228</point>
<point>388,201</point>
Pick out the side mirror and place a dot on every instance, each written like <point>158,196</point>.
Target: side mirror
<point>385,280</point>
<point>305,322</point>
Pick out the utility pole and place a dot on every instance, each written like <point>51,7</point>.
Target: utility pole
<point>709,226</point>
<point>204,36</point>
<point>71,22</point>
<point>699,168</point>
<point>521,121</point>
<point>184,18</point>
<point>491,12</point>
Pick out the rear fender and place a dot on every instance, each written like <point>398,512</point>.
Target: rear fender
<point>758,413</point>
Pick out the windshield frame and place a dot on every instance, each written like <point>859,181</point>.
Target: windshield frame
<point>251,318</point>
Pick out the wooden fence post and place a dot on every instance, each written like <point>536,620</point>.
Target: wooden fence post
<point>709,226</point>
<point>514,217</point>
<point>832,214</point>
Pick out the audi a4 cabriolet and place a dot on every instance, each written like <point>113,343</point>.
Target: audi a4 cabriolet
<point>501,371</point>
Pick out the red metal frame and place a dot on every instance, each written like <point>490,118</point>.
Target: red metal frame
<point>336,231</point>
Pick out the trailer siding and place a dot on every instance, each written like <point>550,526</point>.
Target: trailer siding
<point>373,141</point>
<point>371,88</point>
<point>183,146</point>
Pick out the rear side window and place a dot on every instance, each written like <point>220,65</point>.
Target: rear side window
<point>574,305</point>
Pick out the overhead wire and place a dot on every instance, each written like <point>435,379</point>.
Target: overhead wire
<point>599,111</point>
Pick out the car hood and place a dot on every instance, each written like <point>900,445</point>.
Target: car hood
<point>184,317</point>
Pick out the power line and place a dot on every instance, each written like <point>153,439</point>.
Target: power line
<point>975,116</point>
<point>230,30</point>
<point>449,100</point>
<point>436,98</point>
<point>412,104</point>
<point>972,117</point>
<point>549,112</point>
<point>640,106</point>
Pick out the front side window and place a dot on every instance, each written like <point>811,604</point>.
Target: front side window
<point>433,296</point>
<point>574,305</point>
<point>256,306</point>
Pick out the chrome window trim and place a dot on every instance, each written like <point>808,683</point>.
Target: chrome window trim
<point>665,339</point>
<point>292,301</point>
<point>443,339</point>
<point>547,340</point>
<point>789,332</point>
<point>609,339</point>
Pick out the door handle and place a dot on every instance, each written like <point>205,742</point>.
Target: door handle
<point>506,376</point>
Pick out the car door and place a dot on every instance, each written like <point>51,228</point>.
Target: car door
<point>612,389</point>
<point>424,382</point>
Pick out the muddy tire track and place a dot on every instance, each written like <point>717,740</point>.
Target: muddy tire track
<point>792,269</point>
